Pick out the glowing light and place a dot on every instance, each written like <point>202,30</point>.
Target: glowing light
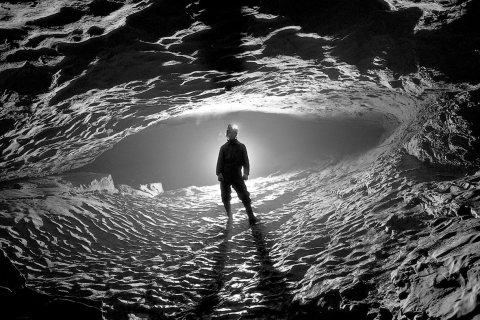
<point>179,154</point>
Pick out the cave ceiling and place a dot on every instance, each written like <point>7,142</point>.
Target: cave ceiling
<point>78,76</point>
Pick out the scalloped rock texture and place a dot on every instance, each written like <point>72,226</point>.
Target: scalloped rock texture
<point>389,233</point>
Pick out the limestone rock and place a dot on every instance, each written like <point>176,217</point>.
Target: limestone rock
<point>147,190</point>
<point>389,232</point>
<point>11,278</point>
<point>152,188</point>
<point>449,136</point>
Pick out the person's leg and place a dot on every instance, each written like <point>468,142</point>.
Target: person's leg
<point>251,217</point>
<point>228,208</point>
<point>226,197</point>
<point>244,196</point>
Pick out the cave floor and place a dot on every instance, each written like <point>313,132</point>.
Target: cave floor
<point>176,255</point>
<point>394,228</point>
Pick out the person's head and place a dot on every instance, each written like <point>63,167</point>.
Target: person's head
<point>232,131</point>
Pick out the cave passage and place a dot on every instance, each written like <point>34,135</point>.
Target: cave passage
<point>182,152</point>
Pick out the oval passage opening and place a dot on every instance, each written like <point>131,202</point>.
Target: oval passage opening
<point>182,152</point>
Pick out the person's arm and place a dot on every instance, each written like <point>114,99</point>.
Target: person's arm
<point>219,168</point>
<point>246,164</point>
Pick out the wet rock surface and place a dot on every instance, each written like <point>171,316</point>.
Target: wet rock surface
<point>386,233</point>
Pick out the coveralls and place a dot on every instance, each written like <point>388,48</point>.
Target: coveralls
<point>231,158</point>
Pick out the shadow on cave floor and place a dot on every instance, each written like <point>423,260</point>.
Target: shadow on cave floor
<point>269,294</point>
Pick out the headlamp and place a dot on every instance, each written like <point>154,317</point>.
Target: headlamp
<point>232,127</point>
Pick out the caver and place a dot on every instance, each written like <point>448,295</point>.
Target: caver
<point>232,158</point>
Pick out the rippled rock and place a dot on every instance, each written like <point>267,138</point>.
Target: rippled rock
<point>21,302</point>
<point>146,190</point>
<point>384,232</point>
<point>82,182</point>
<point>448,135</point>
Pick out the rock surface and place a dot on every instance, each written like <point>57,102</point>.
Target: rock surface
<point>146,190</point>
<point>387,233</point>
<point>21,302</point>
<point>55,184</point>
<point>11,278</point>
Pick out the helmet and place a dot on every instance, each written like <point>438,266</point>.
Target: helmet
<point>232,127</point>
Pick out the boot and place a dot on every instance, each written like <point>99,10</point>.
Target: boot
<point>228,209</point>
<point>251,218</point>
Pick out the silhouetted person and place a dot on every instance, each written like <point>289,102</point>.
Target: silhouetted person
<point>231,158</point>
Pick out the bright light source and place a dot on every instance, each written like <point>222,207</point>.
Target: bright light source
<point>233,127</point>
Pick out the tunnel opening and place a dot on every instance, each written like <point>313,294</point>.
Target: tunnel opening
<point>182,151</point>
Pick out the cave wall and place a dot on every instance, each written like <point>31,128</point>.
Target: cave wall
<point>75,79</point>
